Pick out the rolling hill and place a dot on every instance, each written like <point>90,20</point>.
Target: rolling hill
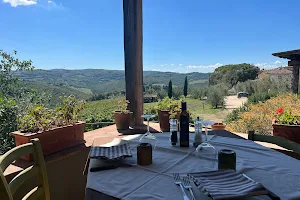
<point>92,81</point>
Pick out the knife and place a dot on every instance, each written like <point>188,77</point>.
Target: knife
<point>114,166</point>
<point>97,169</point>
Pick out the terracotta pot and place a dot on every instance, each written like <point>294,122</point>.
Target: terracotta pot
<point>123,120</point>
<point>53,140</point>
<point>218,126</point>
<point>290,132</point>
<point>164,118</point>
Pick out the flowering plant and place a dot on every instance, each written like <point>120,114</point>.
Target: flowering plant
<point>286,117</point>
<point>123,105</point>
<point>259,116</point>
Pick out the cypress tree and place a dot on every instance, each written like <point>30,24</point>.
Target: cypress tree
<point>185,88</point>
<point>170,92</point>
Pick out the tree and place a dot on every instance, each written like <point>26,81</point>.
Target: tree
<point>8,66</point>
<point>170,92</point>
<point>216,96</point>
<point>8,105</point>
<point>177,92</point>
<point>8,118</point>
<point>161,94</point>
<point>185,87</point>
<point>232,74</point>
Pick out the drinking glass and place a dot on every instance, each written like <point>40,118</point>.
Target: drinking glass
<point>148,137</point>
<point>205,149</point>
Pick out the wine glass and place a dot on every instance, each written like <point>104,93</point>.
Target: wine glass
<point>148,137</point>
<point>205,149</point>
<point>206,123</point>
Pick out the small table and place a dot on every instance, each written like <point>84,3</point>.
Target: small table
<point>155,181</point>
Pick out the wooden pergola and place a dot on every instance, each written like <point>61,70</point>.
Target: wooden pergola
<point>294,61</point>
<point>133,52</point>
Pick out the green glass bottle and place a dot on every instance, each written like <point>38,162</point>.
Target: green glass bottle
<point>184,126</point>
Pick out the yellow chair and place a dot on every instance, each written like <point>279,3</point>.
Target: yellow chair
<point>282,142</point>
<point>41,191</point>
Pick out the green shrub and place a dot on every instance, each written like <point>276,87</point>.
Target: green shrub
<point>8,119</point>
<point>39,118</point>
<point>151,110</point>
<point>170,104</point>
<point>234,115</point>
<point>257,97</point>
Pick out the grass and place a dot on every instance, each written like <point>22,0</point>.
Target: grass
<point>84,90</point>
<point>198,108</point>
<point>103,110</point>
<point>198,81</point>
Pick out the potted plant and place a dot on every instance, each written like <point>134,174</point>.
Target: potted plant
<point>167,108</point>
<point>56,129</point>
<point>123,115</point>
<point>218,126</point>
<point>287,125</point>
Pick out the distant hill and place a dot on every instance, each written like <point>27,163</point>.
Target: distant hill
<point>56,91</point>
<point>280,71</point>
<point>88,81</point>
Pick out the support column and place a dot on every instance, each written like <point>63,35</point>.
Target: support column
<point>295,78</point>
<point>133,52</point>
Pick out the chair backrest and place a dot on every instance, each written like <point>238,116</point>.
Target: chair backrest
<point>287,144</point>
<point>41,191</point>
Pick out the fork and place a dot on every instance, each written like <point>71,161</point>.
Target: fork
<point>187,185</point>
<point>177,181</point>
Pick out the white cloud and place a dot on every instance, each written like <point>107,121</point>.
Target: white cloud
<point>269,65</point>
<point>204,66</point>
<point>15,3</point>
<point>53,6</point>
<point>46,4</point>
<point>277,62</point>
<point>172,64</point>
<point>180,64</point>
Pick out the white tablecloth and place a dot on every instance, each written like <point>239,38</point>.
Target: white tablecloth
<point>276,171</point>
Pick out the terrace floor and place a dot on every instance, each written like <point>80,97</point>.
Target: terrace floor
<point>65,168</point>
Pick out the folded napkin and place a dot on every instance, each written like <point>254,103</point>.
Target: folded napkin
<point>227,184</point>
<point>111,152</point>
<point>294,195</point>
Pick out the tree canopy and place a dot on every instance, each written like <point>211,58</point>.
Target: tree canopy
<point>232,74</point>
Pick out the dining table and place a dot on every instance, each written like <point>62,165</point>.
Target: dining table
<point>277,172</point>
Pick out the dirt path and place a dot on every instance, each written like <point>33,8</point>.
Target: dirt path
<point>232,102</point>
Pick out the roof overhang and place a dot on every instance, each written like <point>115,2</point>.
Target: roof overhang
<point>292,55</point>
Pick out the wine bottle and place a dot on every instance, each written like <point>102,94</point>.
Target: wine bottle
<point>184,126</point>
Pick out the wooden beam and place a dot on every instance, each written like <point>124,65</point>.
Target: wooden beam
<point>295,78</point>
<point>133,52</point>
<point>294,63</point>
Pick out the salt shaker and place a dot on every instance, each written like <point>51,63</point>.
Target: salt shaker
<point>198,132</point>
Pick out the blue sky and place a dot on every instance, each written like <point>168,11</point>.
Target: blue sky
<point>179,35</point>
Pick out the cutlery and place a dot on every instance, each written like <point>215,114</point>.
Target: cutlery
<point>187,185</point>
<point>177,181</point>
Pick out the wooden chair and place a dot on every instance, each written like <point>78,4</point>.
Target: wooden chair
<point>41,191</point>
<point>287,144</point>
